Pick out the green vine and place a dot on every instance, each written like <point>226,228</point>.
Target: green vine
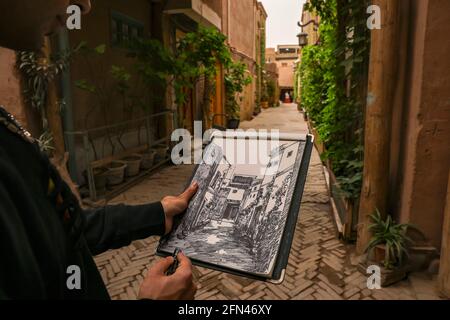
<point>336,109</point>
<point>235,81</point>
<point>38,72</point>
<point>196,58</point>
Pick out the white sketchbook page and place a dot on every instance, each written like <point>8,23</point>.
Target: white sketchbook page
<point>225,224</point>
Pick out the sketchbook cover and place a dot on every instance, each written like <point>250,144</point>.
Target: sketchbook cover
<point>243,217</point>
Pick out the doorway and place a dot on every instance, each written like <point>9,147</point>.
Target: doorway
<point>231,212</point>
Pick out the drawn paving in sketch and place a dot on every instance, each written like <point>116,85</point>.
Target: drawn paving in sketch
<point>237,218</point>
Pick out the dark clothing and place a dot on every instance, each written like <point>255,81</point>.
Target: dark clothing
<point>41,236</point>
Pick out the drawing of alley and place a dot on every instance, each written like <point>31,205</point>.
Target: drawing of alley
<point>225,247</point>
<point>243,206</point>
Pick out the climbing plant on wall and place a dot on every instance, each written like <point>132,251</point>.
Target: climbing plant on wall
<point>196,58</point>
<point>333,79</point>
<point>235,81</point>
<point>38,72</point>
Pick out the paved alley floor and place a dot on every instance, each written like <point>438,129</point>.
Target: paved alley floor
<point>320,265</point>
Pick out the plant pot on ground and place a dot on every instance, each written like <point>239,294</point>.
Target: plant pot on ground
<point>233,124</point>
<point>265,104</point>
<point>148,159</point>
<point>116,173</point>
<point>388,277</point>
<point>161,151</point>
<point>100,177</point>
<point>133,165</point>
<point>388,248</point>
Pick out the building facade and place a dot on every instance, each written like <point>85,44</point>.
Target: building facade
<point>286,59</point>
<point>244,25</point>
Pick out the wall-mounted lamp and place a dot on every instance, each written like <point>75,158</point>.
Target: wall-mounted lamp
<point>303,36</point>
<point>302,39</point>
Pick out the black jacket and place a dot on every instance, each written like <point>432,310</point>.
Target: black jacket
<point>40,237</point>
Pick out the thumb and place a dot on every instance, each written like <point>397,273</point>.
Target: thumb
<point>190,192</point>
<point>161,266</point>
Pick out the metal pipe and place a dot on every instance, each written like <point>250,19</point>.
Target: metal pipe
<point>67,110</point>
<point>89,170</point>
<point>307,24</point>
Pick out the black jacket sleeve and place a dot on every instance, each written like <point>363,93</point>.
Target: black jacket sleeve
<point>113,227</point>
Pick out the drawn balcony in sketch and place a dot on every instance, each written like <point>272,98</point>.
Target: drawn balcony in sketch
<point>238,216</point>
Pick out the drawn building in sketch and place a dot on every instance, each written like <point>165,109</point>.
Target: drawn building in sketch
<point>236,204</point>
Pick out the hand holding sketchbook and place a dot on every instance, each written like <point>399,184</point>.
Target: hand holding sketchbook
<point>242,219</point>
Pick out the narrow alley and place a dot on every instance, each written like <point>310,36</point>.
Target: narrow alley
<point>222,248</point>
<point>320,265</point>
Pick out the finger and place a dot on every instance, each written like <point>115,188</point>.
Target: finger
<point>184,263</point>
<point>190,192</point>
<point>161,266</point>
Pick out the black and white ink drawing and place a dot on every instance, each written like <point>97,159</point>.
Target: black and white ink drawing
<point>237,218</point>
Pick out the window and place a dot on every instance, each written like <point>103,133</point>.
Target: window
<point>124,28</point>
<point>287,50</point>
<point>272,164</point>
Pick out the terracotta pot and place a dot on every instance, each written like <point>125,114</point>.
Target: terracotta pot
<point>265,104</point>
<point>133,165</point>
<point>116,173</point>
<point>148,159</point>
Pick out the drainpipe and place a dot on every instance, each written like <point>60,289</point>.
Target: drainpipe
<point>67,111</point>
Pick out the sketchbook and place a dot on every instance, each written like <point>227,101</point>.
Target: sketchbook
<point>243,217</point>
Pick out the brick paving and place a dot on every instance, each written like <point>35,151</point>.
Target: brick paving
<point>321,267</point>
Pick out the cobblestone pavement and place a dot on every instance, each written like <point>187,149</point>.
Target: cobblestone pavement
<point>320,265</point>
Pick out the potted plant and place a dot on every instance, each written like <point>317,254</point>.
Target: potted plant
<point>264,101</point>
<point>161,151</point>
<point>116,173</point>
<point>236,79</point>
<point>388,248</point>
<point>233,123</point>
<point>133,163</point>
<point>148,159</point>
<point>271,92</point>
<point>233,110</point>
<point>100,179</point>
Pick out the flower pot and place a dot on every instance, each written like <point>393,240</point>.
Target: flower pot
<point>387,277</point>
<point>148,159</point>
<point>161,152</point>
<point>133,165</point>
<point>233,124</point>
<point>379,253</point>
<point>99,179</point>
<point>265,104</point>
<point>116,173</point>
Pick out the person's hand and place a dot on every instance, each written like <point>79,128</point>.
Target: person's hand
<point>178,286</point>
<point>174,206</point>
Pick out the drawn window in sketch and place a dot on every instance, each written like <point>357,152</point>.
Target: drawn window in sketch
<point>237,218</point>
